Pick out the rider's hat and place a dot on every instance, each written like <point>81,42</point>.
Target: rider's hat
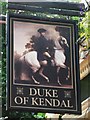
<point>41,30</point>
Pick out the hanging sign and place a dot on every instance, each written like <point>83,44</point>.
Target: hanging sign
<point>43,67</point>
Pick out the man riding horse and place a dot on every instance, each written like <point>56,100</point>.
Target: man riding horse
<point>43,52</point>
<point>41,46</point>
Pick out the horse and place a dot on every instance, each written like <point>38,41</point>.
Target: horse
<point>60,58</point>
<point>27,65</point>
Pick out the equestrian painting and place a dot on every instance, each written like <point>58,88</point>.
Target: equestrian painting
<point>42,54</point>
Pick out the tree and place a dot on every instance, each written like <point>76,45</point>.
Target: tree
<point>85,28</point>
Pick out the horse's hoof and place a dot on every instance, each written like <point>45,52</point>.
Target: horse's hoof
<point>47,80</point>
<point>59,83</point>
<point>67,78</point>
<point>36,82</point>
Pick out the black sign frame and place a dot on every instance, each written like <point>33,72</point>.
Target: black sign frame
<point>51,97</point>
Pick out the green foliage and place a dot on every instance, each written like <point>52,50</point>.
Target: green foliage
<point>3,78</point>
<point>3,8</point>
<point>39,116</point>
<point>84,28</point>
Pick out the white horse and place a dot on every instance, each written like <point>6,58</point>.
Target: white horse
<point>30,58</point>
<point>59,56</point>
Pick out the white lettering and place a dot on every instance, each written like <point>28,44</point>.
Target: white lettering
<point>25,100</point>
<point>34,101</point>
<point>43,92</point>
<point>33,91</point>
<point>68,104</point>
<point>56,102</point>
<point>18,100</point>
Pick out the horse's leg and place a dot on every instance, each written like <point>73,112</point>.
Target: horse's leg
<point>58,68</point>
<point>32,76</point>
<point>36,82</point>
<point>41,73</point>
<point>68,76</point>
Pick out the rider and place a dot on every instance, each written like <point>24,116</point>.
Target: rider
<point>41,46</point>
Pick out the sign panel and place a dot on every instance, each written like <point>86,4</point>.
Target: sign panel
<point>43,67</point>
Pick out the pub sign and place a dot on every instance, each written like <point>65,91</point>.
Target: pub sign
<point>43,67</point>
